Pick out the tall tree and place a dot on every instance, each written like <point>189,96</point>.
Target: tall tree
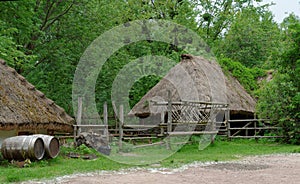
<point>216,16</point>
<point>252,39</point>
<point>280,98</point>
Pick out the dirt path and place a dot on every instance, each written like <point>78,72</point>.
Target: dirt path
<point>260,169</point>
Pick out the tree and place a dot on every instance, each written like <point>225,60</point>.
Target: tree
<point>280,98</point>
<point>215,16</point>
<point>252,39</point>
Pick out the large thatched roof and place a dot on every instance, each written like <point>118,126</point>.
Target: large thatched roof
<point>197,79</point>
<point>23,107</point>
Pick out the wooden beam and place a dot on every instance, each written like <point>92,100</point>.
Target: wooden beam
<point>121,123</point>
<point>192,133</point>
<point>105,121</point>
<point>247,137</point>
<point>115,114</point>
<point>79,114</point>
<point>146,145</point>
<point>169,123</point>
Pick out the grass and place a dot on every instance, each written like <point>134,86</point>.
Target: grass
<point>221,150</point>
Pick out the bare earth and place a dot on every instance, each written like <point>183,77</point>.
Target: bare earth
<point>259,169</point>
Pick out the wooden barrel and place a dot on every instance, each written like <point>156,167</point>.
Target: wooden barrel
<point>51,145</point>
<point>23,147</point>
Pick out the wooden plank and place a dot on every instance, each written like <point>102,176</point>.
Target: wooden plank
<point>137,138</point>
<point>174,124</point>
<point>256,128</point>
<point>247,137</point>
<point>247,120</point>
<point>191,102</point>
<point>191,133</point>
<point>141,126</point>
<point>146,145</point>
<point>90,126</point>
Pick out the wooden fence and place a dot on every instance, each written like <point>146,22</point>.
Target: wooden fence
<point>252,128</point>
<point>196,114</point>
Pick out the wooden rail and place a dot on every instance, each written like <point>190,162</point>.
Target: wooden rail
<point>251,125</point>
<point>134,132</point>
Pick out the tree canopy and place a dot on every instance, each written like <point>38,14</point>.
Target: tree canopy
<point>44,41</point>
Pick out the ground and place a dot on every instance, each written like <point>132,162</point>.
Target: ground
<point>273,169</point>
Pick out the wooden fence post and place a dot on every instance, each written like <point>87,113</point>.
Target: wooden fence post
<point>162,121</point>
<point>121,122</point>
<point>116,116</point>
<point>169,124</point>
<point>79,115</point>
<point>105,121</point>
<point>227,119</point>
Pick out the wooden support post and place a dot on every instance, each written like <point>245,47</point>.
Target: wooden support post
<point>246,130</point>
<point>116,116</point>
<point>79,115</point>
<point>227,120</point>
<point>256,139</point>
<point>75,131</point>
<point>121,123</point>
<point>228,130</point>
<point>213,128</point>
<point>162,121</point>
<point>169,124</point>
<point>105,121</point>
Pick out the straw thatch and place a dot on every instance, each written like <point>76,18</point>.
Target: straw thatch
<point>22,107</point>
<point>197,79</point>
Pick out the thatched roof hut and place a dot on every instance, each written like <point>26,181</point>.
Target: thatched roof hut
<point>22,107</point>
<point>197,79</point>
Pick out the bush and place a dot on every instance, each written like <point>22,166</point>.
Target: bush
<point>246,76</point>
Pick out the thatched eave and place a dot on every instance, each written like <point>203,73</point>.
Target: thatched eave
<point>22,105</point>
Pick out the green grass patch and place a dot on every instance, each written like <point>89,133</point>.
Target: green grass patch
<point>221,150</point>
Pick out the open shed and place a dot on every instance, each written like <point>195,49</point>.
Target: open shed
<point>198,79</point>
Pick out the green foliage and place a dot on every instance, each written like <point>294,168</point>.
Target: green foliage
<point>279,99</point>
<point>44,40</point>
<point>83,149</point>
<point>12,52</point>
<point>253,39</point>
<point>246,76</point>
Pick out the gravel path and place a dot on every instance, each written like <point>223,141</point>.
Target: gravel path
<point>271,169</point>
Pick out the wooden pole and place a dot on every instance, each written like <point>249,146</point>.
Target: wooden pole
<point>115,115</point>
<point>213,127</point>
<point>75,130</point>
<point>228,130</point>
<point>227,120</point>
<point>79,115</point>
<point>121,123</point>
<point>162,121</point>
<point>169,124</point>
<point>255,131</point>
<point>105,121</point>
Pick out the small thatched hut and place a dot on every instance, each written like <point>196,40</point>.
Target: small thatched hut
<point>25,110</point>
<point>197,79</point>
